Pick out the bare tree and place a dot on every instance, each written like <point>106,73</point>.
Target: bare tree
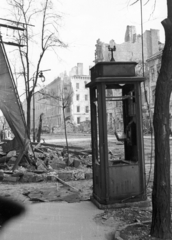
<point>46,38</point>
<point>161,215</point>
<point>64,97</point>
<point>39,128</point>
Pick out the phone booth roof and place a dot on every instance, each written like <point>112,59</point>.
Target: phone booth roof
<point>114,72</point>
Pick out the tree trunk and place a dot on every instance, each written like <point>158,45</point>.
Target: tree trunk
<point>28,115</point>
<point>161,216</point>
<point>67,148</point>
<point>39,128</point>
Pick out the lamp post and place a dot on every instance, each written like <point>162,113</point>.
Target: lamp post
<point>112,48</point>
<point>40,75</point>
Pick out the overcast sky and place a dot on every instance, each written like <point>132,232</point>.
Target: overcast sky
<point>85,21</point>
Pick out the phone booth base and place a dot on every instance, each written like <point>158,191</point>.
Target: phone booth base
<point>118,166</point>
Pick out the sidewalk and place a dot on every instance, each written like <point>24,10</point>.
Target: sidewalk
<point>58,221</point>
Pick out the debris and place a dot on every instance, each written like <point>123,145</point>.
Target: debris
<point>66,175</point>
<point>66,184</point>
<point>49,162</point>
<point>8,178</point>
<point>12,154</point>
<point>88,175</point>
<point>76,163</point>
<point>79,175</point>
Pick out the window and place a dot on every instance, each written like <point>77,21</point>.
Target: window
<point>85,82</point>
<point>77,97</point>
<point>86,97</point>
<point>78,120</point>
<point>86,109</point>
<point>68,109</point>
<point>78,108</point>
<point>77,85</point>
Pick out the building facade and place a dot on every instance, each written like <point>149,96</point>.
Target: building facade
<point>65,92</point>
<point>80,108</point>
<point>48,101</point>
<point>154,65</point>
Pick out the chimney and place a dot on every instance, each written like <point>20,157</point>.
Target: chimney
<point>130,34</point>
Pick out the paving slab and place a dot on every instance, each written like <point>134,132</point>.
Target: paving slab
<point>59,221</point>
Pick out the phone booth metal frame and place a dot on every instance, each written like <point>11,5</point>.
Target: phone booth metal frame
<point>122,180</point>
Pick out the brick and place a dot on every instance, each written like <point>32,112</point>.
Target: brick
<point>56,165</point>
<point>10,179</point>
<point>39,178</point>
<point>76,163</point>
<point>80,175</point>
<point>51,178</point>
<point>65,176</point>
<point>28,177</point>
<point>88,176</point>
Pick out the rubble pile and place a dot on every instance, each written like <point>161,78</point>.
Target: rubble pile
<point>49,163</point>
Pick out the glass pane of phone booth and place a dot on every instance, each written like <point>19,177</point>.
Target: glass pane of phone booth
<point>122,141</point>
<point>115,125</point>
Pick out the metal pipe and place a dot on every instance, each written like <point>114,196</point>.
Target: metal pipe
<point>141,14</point>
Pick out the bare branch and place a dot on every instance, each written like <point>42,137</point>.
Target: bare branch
<point>146,2</point>
<point>134,2</point>
<point>47,38</point>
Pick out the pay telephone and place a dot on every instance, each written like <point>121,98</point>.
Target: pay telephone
<point>130,124</point>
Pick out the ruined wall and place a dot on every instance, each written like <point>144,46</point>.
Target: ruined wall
<point>130,34</point>
<point>80,69</point>
<point>131,49</point>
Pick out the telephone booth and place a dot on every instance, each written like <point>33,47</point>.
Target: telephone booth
<point>117,136</point>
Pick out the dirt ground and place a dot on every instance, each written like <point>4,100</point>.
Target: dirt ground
<point>135,222</point>
<point>28,193</point>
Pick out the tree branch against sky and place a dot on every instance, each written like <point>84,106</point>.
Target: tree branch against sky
<point>144,2</point>
<point>41,34</point>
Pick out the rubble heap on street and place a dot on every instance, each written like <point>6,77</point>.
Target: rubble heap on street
<point>49,164</point>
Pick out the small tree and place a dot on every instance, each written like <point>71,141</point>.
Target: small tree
<point>39,128</point>
<point>45,37</point>
<point>64,97</point>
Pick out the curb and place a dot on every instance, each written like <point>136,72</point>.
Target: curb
<point>119,229</point>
